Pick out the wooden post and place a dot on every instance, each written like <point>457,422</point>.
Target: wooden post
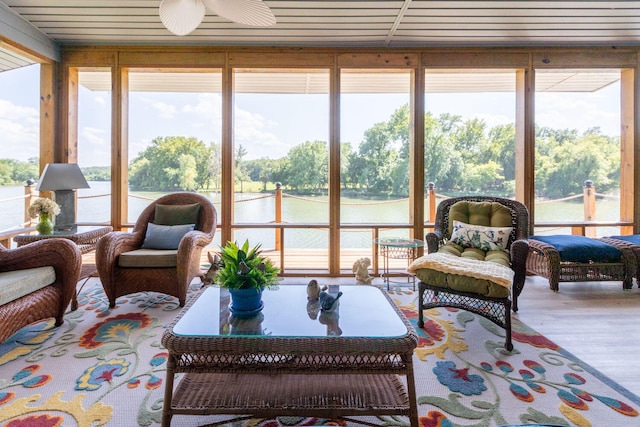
<point>589,195</point>
<point>431,191</point>
<point>278,212</point>
<point>30,195</point>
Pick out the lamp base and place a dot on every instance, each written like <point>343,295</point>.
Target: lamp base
<point>66,219</point>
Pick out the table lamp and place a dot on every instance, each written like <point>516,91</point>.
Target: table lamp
<point>63,179</point>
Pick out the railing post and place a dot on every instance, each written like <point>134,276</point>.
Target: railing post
<point>278,212</point>
<point>30,195</point>
<point>589,195</point>
<point>431,191</point>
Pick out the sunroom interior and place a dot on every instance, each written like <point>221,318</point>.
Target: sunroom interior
<point>422,53</point>
<point>412,49</point>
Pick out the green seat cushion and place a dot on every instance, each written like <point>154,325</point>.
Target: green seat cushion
<point>465,283</point>
<point>488,214</point>
<point>462,283</point>
<point>580,248</point>
<point>149,258</point>
<point>499,257</point>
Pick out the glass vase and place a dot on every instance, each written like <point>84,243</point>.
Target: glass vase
<point>44,225</point>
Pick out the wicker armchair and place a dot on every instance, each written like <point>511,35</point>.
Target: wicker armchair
<point>498,310</point>
<point>49,301</point>
<point>172,278</point>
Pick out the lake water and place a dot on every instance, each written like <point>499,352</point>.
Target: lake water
<point>255,208</point>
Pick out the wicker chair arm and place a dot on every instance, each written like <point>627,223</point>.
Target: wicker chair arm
<point>519,251</point>
<point>190,242</point>
<point>550,253</point>
<point>434,240</point>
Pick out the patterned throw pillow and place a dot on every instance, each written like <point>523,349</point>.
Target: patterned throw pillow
<point>478,236</point>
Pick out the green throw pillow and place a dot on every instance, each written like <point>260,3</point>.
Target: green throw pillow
<point>165,236</point>
<point>177,214</point>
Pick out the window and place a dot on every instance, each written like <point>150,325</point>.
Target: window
<point>577,149</point>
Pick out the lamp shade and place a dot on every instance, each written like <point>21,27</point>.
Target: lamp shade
<point>61,176</point>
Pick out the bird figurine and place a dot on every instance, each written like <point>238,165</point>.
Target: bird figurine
<point>328,301</point>
<point>313,290</point>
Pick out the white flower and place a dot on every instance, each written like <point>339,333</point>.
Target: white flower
<point>42,205</point>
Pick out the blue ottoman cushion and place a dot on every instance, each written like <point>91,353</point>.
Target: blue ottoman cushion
<point>580,248</point>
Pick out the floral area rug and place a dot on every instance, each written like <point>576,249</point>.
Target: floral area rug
<point>107,367</point>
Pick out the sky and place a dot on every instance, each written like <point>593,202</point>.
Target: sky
<point>268,125</point>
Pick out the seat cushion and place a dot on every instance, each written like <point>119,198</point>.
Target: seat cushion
<point>16,284</point>
<point>488,214</point>
<point>582,249</point>
<point>148,258</point>
<point>499,257</point>
<point>488,281</point>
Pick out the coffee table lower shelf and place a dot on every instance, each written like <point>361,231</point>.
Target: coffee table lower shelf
<point>271,395</point>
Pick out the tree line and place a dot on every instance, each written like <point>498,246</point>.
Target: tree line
<point>461,157</point>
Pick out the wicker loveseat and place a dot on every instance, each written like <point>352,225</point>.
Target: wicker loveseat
<point>37,282</point>
<point>126,266</point>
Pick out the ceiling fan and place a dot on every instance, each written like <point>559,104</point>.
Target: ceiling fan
<point>183,16</point>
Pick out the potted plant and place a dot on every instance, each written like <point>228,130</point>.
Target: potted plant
<point>245,273</point>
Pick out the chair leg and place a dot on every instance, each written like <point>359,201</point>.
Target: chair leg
<point>508,343</point>
<point>420,305</point>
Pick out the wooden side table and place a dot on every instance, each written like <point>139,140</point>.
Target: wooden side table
<point>84,236</point>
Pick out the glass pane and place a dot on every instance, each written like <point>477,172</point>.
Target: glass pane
<point>470,132</point>
<point>20,142</point>
<point>577,148</point>
<point>94,145</point>
<point>174,135</point>
<point>374,163</point>
<point>281,134</point>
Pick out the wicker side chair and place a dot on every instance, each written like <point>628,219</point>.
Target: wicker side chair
<point>174,270</point>
<point>51,300</point>
<point>496,309</point>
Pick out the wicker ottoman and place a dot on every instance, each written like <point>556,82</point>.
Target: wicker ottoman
<point>569,258</point>
<point>632,242</point>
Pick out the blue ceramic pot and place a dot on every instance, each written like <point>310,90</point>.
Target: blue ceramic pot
<point>246,302</point>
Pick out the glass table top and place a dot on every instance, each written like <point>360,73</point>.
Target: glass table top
<point>362,311</point>
<point>399,242</point>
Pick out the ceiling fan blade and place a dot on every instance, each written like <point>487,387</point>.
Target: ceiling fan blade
<point>181,16</point>
<point>248,12</point>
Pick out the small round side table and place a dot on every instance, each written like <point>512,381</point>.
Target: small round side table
<point>398,248</point>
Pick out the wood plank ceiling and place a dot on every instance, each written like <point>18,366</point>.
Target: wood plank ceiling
<point>342,23</point>
<point>393,23</point>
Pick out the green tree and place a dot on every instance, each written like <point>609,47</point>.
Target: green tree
<point>308,167</point>
<point>165,165</point>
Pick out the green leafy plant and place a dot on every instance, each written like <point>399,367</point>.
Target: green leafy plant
<point>244,268</point>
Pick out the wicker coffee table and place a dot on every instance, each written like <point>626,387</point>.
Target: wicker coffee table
<point>291,359</point>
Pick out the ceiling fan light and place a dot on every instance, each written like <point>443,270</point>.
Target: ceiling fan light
<point>181,16</point>
<point>248,12</point>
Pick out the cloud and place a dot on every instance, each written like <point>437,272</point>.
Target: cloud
<point>252,132</point>
<point>20,130</point>
<point>166,111</point>
<point>576,111</point>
